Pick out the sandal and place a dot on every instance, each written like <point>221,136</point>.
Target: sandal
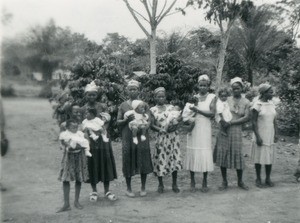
<point>110,196</point>
<point>130,194</point>
<point>143,193</point>
<point>93,196</point>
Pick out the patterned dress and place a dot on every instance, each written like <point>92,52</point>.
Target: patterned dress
<point>101,165</point>
<point>228,150</point>
<point>74,166</point>
<point>199,156</point>
<point>136,158</point>
<point>167,156</point>
<point>264,154</point>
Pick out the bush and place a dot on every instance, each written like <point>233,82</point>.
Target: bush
<point>7,91</point>
<point>179,80</point>
<point>46,91</point>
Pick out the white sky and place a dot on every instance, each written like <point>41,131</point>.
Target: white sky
<point>94,18</point>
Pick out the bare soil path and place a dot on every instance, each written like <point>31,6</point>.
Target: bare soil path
<point>30,171</point>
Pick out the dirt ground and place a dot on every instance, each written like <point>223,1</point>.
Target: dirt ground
<point>30,170</point>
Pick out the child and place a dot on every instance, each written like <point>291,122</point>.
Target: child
<point>94,125</point>
<point>74,164</point>
<point>188,115</point>
<point>72,137</point>
<point>140,121</point>
<point>222,110</point>
<point>173,117</point>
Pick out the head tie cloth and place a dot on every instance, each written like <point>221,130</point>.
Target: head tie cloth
<point>91,87</point>
<point>136,103</point>
<point>236,80</point>
<point>203,77</point>
<point>262,88</point>
<point>159,89</point>
<point>133,83</point>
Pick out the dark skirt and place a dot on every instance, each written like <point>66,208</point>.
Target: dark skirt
<point>136,158</point>
<point>228,150</point>
<point>74,167</point>
<point>101,165</point>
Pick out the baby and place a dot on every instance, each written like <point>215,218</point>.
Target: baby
<point>188,115</point>
<point>94,125</point>
<point>72,137</point>
<point>173,117</point>
<point>222,110</point>
<point>140,121</point>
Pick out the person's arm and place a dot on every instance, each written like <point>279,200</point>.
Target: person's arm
<point>255,128</point>
<point>121,120</point>
<point>243,119</point>
<point>155,127</point>
<point>208,114</point>
<point>276,130</point>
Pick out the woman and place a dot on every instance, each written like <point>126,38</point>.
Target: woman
<point>228,150</point>
<point>167,157</point>
<point>199,157</point>
<point>265,131</point>
<point>102,163</point>
<point>136,157</point>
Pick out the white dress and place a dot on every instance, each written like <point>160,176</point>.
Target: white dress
<point>199,156</point>
<point>264,154</point>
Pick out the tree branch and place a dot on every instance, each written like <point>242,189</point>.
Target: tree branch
<point>131,10</point>
<point>162,9</point>
<point>141,15</point>
<point>147,8</point>
<point>154,9</point>
<point>166,12</point>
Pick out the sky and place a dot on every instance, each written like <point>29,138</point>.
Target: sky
<point>95,18</point>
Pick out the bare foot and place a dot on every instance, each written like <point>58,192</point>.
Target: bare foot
<point>78,206</point>
<point>64,208</point>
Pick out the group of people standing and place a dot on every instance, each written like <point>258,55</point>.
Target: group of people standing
<point>166,157</point>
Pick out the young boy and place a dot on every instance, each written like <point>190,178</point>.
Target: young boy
<point>140,121</point>
<point>188,115</point>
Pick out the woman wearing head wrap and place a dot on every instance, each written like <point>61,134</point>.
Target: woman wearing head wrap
<point>228,149</point>
<point>136,157</point>
<point>199,156</point>
<point>102,163</point>
<point>166,156</point>
<point>264,127</point>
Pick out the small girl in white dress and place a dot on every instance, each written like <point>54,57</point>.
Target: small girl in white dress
<point>94,125</point>
<point>72,137</point>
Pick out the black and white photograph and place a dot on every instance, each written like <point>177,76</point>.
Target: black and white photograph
<point>153,111</point>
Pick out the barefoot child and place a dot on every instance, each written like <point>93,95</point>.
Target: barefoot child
<point>140,122</point>
<point>73,168</point>
<point>222,110</point>
<point>94,125</point>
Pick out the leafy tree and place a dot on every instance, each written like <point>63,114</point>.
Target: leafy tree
<point>253,37</point>
<point>224,13</point>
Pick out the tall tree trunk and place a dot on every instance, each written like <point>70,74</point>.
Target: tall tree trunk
<point>250,73</point>
<point>152,41</point>
<point>221,59</point>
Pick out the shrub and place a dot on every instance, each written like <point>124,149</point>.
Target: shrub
<point>7,91</point>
